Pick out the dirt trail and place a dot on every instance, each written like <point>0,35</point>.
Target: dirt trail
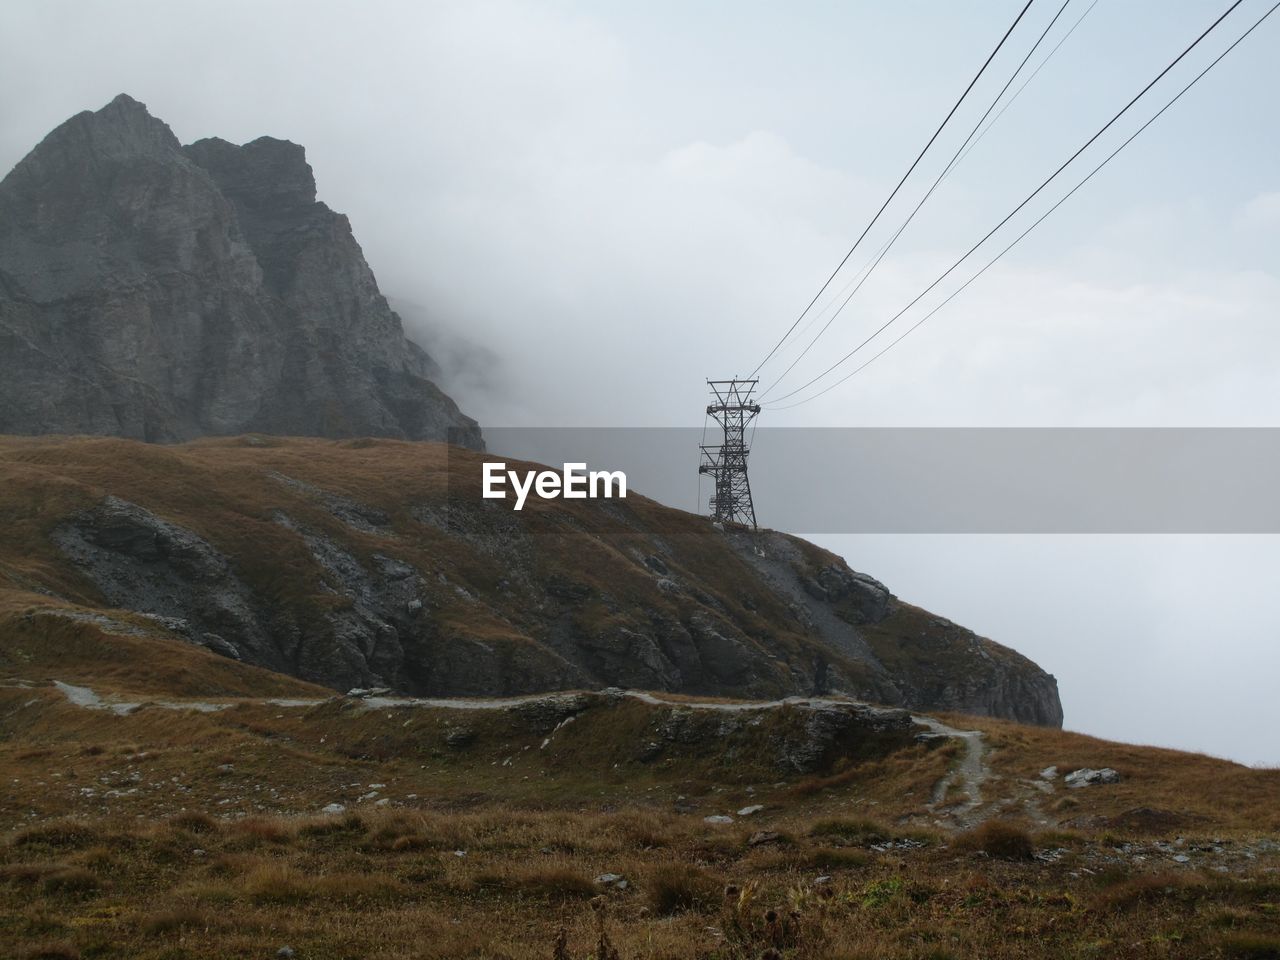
<point>970,772</point>
<point>87,698</point>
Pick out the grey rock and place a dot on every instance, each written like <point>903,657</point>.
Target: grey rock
<point>828,729</point>
<point>225,648</point>
<point>333,808</point>
<point>163,293</point>
<point>1088,777</point>
<point>752,809</point>
<point>717,818</point>
<point>547,713</point>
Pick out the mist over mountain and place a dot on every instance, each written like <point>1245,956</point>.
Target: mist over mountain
<point>161,292</point>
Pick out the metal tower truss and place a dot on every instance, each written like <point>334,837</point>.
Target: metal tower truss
<point>726,462</point>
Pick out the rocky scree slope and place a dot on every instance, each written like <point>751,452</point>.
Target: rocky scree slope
<point>370,563</point>
<point>163,293</point>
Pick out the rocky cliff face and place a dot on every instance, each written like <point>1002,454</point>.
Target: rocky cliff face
<point>368,564</point>
<point>162,293</point>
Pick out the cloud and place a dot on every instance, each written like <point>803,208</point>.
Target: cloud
<point>1262,211</point>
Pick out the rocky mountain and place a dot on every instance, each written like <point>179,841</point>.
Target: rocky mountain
<point>161,292</point>
<point>372,563</point>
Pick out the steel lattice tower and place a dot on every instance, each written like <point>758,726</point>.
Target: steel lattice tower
<point>727,462</point>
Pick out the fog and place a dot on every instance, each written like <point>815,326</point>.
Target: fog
<point>585,210</point>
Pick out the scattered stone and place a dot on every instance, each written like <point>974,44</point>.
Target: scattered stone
<point>761,837</point>
<point>1049,773</point>
<point>363,693</point>
<point>1088,777</point>
<point>460,853</point>
<point>753,808</point>
<point>612,881</point>
<point>285,952</point>
<point>333,808</point>
<point>1182,858</point>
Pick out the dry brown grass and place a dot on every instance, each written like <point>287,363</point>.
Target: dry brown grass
<point>1160,791</point>
<point>557,882</point>
<point>997,838</point>
<point>50,951</point>
<point>675,887</point>
<point>70,880</point>
<point>350,892</point>
<point>175,920</point>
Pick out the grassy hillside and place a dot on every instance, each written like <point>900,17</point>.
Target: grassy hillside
<point>358,563</point>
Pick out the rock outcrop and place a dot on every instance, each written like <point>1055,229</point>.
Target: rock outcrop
<point>164,293</point>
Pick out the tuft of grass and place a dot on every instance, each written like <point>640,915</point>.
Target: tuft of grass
<point>193,821</point>
<point>1148,888</point>
<point>997,838</point>
<point>28,873</point>
<point>51,951</point>
<point>355,888</point>
<point>672,888</point>
<point>174,920</point>
<point>253,831</point>
<point>850,831</point>
<point>71,880</point>
<point>825,859</point>
<point>324,825</point>
<point>1251,946</point>
<point>57,833</point>
<point>275,883</point>
<point>549,883</point>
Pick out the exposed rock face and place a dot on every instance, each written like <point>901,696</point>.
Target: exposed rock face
<point>927,660</point>
<point>164,293</point>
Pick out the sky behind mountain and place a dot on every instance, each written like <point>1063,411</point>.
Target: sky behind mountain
<point>586,209</point>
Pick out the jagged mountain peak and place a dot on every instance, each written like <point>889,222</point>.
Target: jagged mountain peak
<point>123,129</point>
<point>164,293</point>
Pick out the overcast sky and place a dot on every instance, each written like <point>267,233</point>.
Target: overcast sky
<point>586,209</point>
